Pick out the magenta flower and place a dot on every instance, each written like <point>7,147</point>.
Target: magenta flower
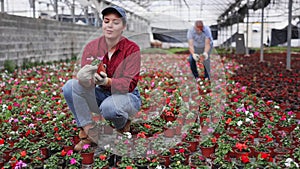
<point>73,161</point>
<point>290,113</point>
<point>70,152</point>
<point>16,104</point>
<point>86,146</point>
<point>20,164</point>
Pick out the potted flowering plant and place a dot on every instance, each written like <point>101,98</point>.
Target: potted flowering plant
<point>179,165</point>
<point>101,162</point>
<point>73,159</point>
<point>178,158</point>
<point>286,121</point>
<point>192,141</point>
<point>87,154</point>
<point>142,162</point>
<point>241,149</point>
<point>296,154</point>
<point>263,160</point>
<point>126,162</point>
<point>207,145</point>
<point>224,146</point>
<point>58,159</point>
<point>197,160</point>
<point>166,154</point>
<point>156,162</point>
<point>140,146</point>
<point>170,130</point>
<point>37,160</point>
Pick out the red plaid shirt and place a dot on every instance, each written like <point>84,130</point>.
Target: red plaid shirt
<point>124,66</point>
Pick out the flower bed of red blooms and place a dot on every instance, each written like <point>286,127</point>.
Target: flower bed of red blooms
<point>270,79</point>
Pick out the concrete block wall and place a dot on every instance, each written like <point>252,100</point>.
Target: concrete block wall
<point>28,39</point>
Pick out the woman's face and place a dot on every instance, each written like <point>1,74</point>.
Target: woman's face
<point>112,26</point>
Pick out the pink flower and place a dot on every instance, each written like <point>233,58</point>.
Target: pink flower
<point>283,118</point>
<point>16,104</point>
<point>243,89</point>
<point>256,113</point>
<point>152,84</point>
<point>70,152</point>
<point>290,113</point>
<point>86,146</point>
<point>73,161</point>
<point>20,165</point>
<point>210,130</point>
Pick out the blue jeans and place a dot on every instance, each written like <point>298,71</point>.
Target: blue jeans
<point>117,108</point>
<point>194,70</point>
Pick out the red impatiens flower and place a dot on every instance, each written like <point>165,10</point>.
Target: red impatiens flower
<point>181,150</point>
<point>55,129</point>
<point>168,113</point>
<point>229,113</point>
<point>27,133</point>
<point>245,158</point>
<point>270,159</point>
<point>241,146</point>
<point>63,152</point>
<point>214,139</point>
<point>9,107</point>
<point>33,132</point>
<point>147,126</point>
<point>168,100</point>
<point>264,155</point>
<point>129,167</point>
<point>269,139</point>
<point>102,157</point>
<point>141,135</point>
<point>228,120</point>
<point>23,153</point>
<point>2,141</point>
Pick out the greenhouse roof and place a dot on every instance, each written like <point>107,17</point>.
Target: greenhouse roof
<point>175,14</point>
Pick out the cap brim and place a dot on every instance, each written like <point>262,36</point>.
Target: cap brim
<point>110,10</point>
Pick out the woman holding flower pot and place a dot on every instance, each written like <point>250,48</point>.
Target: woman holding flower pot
<point>109,90</point>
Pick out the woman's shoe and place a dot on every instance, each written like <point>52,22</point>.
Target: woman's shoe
<point>126,128</point>
<point>78,147</point>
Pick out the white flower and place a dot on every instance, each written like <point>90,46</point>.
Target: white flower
<point>169,123</point>
<point>106,147</point>
<point>248,120</point>
<point>158,167</point>
<point>246,112</point>
<point>288,162</point>
<point>239,123</point>
<point>128,134</point>
<point>276,107</point>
